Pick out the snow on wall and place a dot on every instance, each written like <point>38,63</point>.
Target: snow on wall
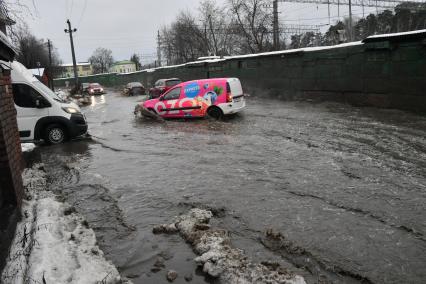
<point>397,34</point>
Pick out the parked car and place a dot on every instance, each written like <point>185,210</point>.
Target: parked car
<point>134,89</point>
<point>95,89</point>
<point>162,86</point>
<point>84,88</point>
<point>213,97</point>
<point>42,114</point>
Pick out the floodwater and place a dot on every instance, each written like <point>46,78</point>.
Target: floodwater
<point>345,186</point>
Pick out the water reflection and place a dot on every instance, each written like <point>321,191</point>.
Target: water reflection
<point>97,100</point>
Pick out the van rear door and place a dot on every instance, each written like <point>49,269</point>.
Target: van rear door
<point>235,88</point>
<point>28,112</point>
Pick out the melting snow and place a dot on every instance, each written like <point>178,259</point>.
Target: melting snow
<point>53,244</point>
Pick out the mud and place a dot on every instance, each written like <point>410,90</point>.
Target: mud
<point>343,186</point>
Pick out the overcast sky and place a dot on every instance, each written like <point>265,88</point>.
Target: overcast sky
<point>130,26</point>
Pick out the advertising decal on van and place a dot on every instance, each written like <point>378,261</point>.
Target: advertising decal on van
<point>197,98</point>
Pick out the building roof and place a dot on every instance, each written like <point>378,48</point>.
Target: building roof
<point>78,64</point>
<point>123,62</point>
<point>35,71</point>
<point>8,51</point>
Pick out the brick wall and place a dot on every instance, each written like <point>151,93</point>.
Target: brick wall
<point>11,190</point>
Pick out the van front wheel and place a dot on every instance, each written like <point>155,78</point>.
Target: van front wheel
<point>55,134</point>
<point>215,112</point>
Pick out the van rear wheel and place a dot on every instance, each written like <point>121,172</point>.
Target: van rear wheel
<point>55,134</point>
<point>215,112</point>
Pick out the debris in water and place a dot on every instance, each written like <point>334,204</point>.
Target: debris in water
<point>165,229</point>
<point>139,110</point>
<point>158,265</point>
<point>219,259</point>
<point>171,275</point>
<point>188,277</point>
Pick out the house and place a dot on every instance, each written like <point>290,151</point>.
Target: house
<point>125,66</point>
<point>83,69</point>
<point>41,74</point>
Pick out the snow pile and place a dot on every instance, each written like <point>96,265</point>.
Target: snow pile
<point>27,147</point>
<point>218,258</point>
<point>53,244</point>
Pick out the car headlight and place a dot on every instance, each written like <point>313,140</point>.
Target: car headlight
<point>70,110</point>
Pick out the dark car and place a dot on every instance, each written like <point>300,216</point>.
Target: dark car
<point>162,86</point>
<point>83,88</point>
<point>95,89</point>
<point>134,89</point>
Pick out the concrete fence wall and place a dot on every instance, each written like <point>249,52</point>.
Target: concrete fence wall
<point>384,72</point>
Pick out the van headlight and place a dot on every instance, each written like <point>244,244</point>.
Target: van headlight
<point>70,110</point>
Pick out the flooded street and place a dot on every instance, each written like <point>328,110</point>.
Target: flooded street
<point>345,186</point>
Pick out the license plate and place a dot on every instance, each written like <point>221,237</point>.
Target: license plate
<point>237,100</point>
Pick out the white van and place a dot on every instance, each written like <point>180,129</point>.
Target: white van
<point>42,114</point>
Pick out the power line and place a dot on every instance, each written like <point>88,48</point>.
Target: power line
<point>349,3</point>
<point>359,3</point>
<point>72,6</point>
<point>82,13</point>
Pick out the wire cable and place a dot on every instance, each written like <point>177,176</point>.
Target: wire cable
<point>82,13</point>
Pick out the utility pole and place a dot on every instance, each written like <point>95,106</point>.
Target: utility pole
<point>276,32</point>
<point>159,49</point>
<point>70,31</point>
<point>328,6</point>
<point>350,21</point>
<point>49,46</point>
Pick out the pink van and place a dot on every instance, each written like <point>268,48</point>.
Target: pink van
<point>213,97</point>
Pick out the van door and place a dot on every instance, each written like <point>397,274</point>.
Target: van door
<point>30,107</point>
<point>235,86</point>
<point>170,100</point>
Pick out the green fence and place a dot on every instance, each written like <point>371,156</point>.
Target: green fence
<point>385,72</point>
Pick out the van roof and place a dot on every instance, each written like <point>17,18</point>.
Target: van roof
<point>20,73</point>
<point>211,79</point>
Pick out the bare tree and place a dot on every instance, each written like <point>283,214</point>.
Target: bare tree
<point>183,41</point>
<point>136,59</point>
<point>216,29</point>
<point>101,60</point>
<point>253,23</point>
<point>32,51</point>
<point>14,12</point>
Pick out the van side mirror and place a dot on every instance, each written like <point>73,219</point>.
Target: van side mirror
<point>40,102</point>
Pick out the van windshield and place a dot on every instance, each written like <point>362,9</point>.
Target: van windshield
<point>48,91</point>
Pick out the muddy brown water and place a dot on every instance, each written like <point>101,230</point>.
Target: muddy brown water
<point>345,187</point>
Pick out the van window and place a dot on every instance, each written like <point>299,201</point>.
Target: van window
<point>46,91</point>
<point>173,94</point>
<point>24,95</point>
